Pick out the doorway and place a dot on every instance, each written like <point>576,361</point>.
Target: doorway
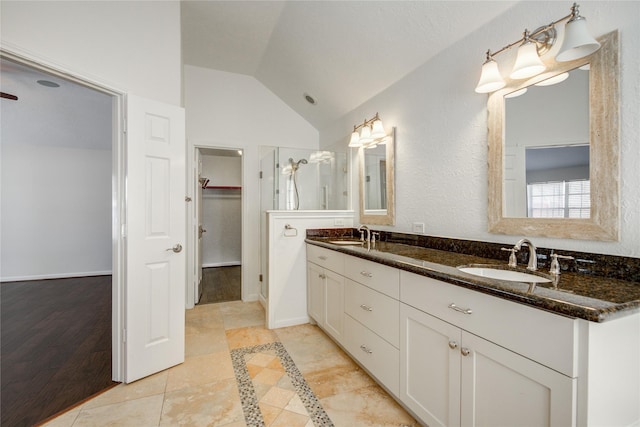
<point>218,215</point>
<point>61,195</point>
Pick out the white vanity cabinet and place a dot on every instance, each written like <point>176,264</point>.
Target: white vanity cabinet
<point>449,377</point>
<point>372,313</point>
<point>325,290</point>
<point>458,365</point>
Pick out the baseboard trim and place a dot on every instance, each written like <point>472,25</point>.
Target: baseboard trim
<point>283,323</point>
<point>221,264</point>
<point>55,276</point>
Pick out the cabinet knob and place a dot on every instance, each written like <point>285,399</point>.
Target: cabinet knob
<point>366,274</point>
<point>465,351</point>
<point>453,345</point>
<point>366,349</point>
<point>366,307</point>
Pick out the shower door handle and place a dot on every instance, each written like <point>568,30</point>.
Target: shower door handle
<point>177,248</point>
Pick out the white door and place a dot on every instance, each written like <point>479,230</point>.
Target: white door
<point>156,218</point>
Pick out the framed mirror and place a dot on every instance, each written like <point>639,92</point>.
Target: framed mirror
<point>377,187</point>
<point>553,158</point>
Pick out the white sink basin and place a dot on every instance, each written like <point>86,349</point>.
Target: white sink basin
<point>500,274</point>
<point>346,242</point>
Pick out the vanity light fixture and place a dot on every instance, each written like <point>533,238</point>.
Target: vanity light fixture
<point>577,43</point>
<point>371,133</point>
<point>553,80</point>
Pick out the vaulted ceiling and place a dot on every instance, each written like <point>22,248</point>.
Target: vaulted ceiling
<point>340,52</point>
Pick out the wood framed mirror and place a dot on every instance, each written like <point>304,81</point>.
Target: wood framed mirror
<point>510,203</point>
<point>377,182</point>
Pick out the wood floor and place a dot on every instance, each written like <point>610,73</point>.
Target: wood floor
<point>56,345</point>
<point>221,284</point>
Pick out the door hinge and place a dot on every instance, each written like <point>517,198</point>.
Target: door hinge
<point>260,277</point>
<point>277,191</point>
<point>124,335</point>
<point>260,174</point>
<point>123,230</point>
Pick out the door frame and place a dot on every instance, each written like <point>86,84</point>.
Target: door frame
<point>192,223</point>
<point>118,195</point>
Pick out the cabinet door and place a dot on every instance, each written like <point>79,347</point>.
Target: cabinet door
<point>334,305</point>
<point>430,367</point>
<point>502,388</point>
<point>315,292</point>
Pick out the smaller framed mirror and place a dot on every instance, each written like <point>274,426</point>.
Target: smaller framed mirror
<point>377,182</point>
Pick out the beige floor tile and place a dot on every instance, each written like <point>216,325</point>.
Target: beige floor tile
<point>149,386</point>
<point>268,376</point>
<point>250,336</point>
<point>133,413</point>
<point>277,397</point>
<point>369,406</point>
<point>290,419</point>
<point>285,383</point>
<point>262,359</point>
<point>211,404</point>
<point>335,380</point>
<point>269,413</point>
<point>200,370</point>
<point>238,314</point>
<point>65,420</point>
<point>208,342</point>
<point>296,405</point>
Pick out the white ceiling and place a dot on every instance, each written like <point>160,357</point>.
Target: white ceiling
<point>340,52</point>
<point>70,115</point>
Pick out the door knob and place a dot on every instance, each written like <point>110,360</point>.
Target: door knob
<point>177,248</point>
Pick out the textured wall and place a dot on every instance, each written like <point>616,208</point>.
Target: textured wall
<point>441,154</point>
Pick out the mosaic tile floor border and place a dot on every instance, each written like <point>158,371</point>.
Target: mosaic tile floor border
<point>248,398</point>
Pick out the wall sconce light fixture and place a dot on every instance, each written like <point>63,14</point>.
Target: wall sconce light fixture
<point>577,43</point>
<point>371,133</point>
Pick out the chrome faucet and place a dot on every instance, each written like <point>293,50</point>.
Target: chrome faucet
<point>533,256</point>
<point>364,230</point>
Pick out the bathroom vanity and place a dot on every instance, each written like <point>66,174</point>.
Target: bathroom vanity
<point>457,349</point>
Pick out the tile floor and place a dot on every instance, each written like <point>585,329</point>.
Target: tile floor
<point>238,373</point>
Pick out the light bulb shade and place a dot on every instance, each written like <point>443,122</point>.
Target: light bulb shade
<point>365,135</point>
<point>490,79</point>
<point>517,93</point>
<point>528,63</point>
<point>355,140</point>
<point>577,42</point>
<point>553,80</point>
<point>378,130</point>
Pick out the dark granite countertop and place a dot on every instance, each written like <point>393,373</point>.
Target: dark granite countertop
<point>584,296</point>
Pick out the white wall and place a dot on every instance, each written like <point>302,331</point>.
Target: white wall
<point>132,46</point>
<point>441,151</point>
<point>227,110</point>
<point>56,212</point>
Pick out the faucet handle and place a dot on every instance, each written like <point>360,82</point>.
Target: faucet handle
<point>513,262</point>
<point>554,268</point>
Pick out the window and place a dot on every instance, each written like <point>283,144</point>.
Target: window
<point>559,199</point>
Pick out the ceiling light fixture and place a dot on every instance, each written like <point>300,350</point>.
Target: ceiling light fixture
<point>577,44</point>
<point>371,133</point>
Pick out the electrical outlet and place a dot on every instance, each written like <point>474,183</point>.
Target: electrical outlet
<point>418,227</point>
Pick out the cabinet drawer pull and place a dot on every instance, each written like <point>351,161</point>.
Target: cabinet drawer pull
<point>366,349</point>
<point>366,307</point>
<point>453,345</point>
<point>322,276</point>
<point>465,351</point>
<point>460,309</point>
<point>366,274</point>
<point>322,257</point>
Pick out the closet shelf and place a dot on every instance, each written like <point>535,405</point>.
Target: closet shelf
<point>223,187</point>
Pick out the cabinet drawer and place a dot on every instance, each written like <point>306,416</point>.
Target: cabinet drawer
<point>376,276</point>
<point>547,338</point>
<point>326,258</point>
<point>374,310</point>
<point>379,357</point>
